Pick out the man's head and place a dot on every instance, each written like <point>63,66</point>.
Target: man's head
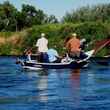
<point>42,34</point>
<point>74,35</point>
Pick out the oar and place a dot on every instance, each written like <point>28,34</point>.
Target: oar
<point>100,47</point>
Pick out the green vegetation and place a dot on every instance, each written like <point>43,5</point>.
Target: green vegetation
<point>56,33</point>
<point>13,20</point>
<point>96,13</point>
<point>21,29</point>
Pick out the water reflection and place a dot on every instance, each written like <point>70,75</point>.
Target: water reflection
<point>42,86</point>
<point>75,85</point>
<point>47,85</point>
<point>85,89</point>
<point>90,83</point>
<point>67,88</point>
<point>63,86</point>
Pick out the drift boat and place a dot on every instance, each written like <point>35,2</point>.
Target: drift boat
<point>71,64</point>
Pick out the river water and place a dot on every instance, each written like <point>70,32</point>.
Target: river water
<point>65,89</point>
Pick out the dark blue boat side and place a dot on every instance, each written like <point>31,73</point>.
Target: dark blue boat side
<point>70,65</point>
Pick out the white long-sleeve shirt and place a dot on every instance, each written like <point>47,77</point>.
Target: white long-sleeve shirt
<point>42,44</point>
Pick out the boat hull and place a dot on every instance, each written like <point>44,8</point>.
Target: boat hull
<point>72,65</point>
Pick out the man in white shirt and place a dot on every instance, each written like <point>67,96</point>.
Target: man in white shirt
<point>42,43</point>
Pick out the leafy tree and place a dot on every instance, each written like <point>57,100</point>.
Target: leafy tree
<point>39,18</point>
<point>51,19</point>
<point>13,20</point>
<point>96,13</point>
<point>7,16</point>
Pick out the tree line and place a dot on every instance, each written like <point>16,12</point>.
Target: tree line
<point>99,12</point>
<point>11,19</point>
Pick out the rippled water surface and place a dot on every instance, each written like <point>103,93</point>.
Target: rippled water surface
<point>85,89</point>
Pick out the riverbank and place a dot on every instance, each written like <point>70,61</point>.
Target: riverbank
<point>14,43</point>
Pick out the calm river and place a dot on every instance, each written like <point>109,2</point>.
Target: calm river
<point>85,89</point>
